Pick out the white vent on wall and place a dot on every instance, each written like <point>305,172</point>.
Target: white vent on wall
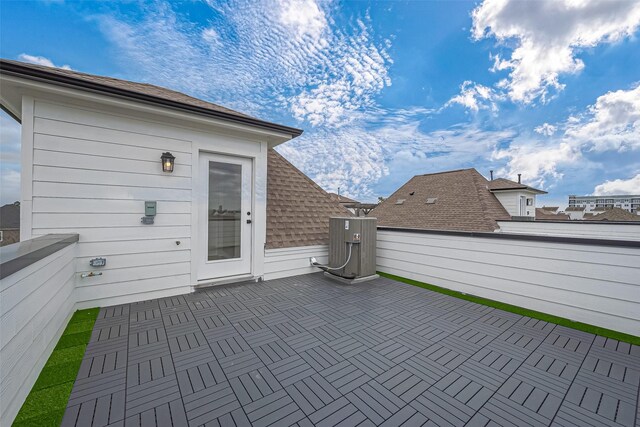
<point>400,201</point>
<point>431,200</point>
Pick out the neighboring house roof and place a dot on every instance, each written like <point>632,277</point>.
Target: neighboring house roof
<point>574,209</point>
<point>454,200</point>
<point>10,216</point>
<point>550,208</point>
<point>341,198</point>
<point>298,209</point>
<point>549,215</point>
<point>502,184</point>
<point>139,91</point>
<point>588,215</point>
<point>615,214</point>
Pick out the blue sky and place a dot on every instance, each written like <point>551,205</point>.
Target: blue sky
<point>384,91</point>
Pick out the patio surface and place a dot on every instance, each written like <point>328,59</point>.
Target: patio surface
<point>308,350</point>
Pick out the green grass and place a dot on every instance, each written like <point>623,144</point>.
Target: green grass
<point>46,403</point>
<point>522,311</point>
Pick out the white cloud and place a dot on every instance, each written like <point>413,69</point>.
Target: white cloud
<point>611,124</point>
<point>476,97</point>
<point>537,162</point>
<point>291,53</point>
<point>356,157</point>
<point>547,35</point>
<point>41,60</point>
<point>210,35</point>
<point>618,186</point>
<point>546,129</point>
<point>305,17</point>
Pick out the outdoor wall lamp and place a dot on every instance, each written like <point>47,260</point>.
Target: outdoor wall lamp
<point>168,160</point>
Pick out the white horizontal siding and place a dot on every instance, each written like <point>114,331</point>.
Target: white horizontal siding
<point>580,229</point>
<point>288,262</point>
<point>35,306</point>
<point>92,172</point>
<point>599,285</point>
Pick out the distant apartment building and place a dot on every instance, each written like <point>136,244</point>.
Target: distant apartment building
<point>594,204</point>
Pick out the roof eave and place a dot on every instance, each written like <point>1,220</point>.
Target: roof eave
<point>17,70</point>
<point>529,189</point>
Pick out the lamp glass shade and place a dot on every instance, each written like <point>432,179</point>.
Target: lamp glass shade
<point>168,161</point>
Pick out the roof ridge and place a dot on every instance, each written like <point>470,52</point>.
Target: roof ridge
<point>443,172</point>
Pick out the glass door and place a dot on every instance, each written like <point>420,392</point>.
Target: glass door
<point>225,216</point>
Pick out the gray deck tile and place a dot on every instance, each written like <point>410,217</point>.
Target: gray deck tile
<point>303,341</point>
<point>274,351</point>
<point>149,370</point>
<point>276,409</point>
<point>229,346</point>
<point>290,370</point>
<point>371,362</point>
<point>321,357</point>
<point>86,389</point>
<point>312,393</point>
<point>307,351</point>
<point>406,417</point>
<point>209,404</point>
<point>345,376</point>
<point>199,377</point>
<point>340,412</point>
<point>254,385</point>
<point>144,315</point>
<point>375,401</point>
<point>403,383</point>
<point>240,363</point>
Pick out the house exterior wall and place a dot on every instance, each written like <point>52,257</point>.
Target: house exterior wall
<point>287,262</point>
<point>628,202</point>
<point>35,306</point>
<point>511,202</point>
<point>89,169</point>
<point>583,229</point>
<point>599,285</point>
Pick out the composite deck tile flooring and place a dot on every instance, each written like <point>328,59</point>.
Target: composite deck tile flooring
<point>306,350</point>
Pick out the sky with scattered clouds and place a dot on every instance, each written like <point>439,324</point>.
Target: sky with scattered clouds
<point>383,90</point>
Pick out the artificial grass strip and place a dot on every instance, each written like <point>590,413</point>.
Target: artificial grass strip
<point>47,401</point>
<point>45,419</point>
<point>596,330</point>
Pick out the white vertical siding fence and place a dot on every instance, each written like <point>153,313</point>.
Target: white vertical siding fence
<point>35,305</point>
<point>586,280</point>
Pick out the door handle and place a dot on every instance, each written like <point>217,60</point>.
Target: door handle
<point>248,221</point>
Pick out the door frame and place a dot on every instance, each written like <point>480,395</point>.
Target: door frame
<point>197,236</point>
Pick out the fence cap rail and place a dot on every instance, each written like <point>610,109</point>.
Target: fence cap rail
<point>17,256</point>
<point>521,236</point>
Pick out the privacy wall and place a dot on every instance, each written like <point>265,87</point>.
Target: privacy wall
<point>35,306</point>
<point>595,282</point>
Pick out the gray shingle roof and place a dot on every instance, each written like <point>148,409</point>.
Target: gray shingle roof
<point>463,202</point>
<point>298,209</point>
<point>499,184</point>
<point>614,214</point>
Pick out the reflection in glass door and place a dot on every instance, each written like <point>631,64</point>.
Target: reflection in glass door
<point>225,211</point>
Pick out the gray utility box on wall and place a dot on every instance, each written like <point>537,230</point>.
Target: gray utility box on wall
<point>356,233</point>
